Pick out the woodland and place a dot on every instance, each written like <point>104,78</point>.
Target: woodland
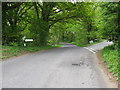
<point>49,23</point>
<point>54,22</point>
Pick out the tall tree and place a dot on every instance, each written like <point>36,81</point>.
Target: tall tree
<point>13,14</point>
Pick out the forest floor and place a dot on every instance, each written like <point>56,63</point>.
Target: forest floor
<point>68,66</point>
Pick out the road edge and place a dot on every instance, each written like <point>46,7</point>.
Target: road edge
<point>27,53</point>
<point>102,65</point>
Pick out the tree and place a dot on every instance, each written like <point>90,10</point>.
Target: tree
<point>52,13</point>
<point>13,14</point>
<point>65,21</point>
<point>110,20</point>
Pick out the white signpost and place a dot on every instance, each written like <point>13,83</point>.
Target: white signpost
<point>26,40</point>
<point>91,41</point>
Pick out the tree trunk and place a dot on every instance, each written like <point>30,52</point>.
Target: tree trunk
<point>45,17</point>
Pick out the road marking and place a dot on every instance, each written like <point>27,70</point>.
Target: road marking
<point>90,49</point>
<point>93,49</point>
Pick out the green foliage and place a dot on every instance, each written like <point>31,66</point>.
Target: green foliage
<point>53,22</point>
<point>49,23</point>
<point>110,57</point>
<point>109,19</point>
<point>37,31</point>
<point>10,51</point>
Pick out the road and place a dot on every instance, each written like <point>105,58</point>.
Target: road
<point>68,66</point>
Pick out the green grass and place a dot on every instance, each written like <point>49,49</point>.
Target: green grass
<point>10,51</point>
<point>110,57</point>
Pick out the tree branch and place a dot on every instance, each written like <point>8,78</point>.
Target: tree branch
<point>36,8</point>
<point>40,6</point>
<point>5,7</point>
<point>25,11</point>
<point>60,19</point>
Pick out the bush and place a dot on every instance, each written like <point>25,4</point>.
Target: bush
<point>110,57</point>
<point>13,44</point>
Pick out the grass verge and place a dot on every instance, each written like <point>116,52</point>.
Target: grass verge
<point>10,51</point>
<point>110,58</point>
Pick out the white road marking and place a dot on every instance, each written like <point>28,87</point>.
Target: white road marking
<point>90,49</point>
<point>93,49</point>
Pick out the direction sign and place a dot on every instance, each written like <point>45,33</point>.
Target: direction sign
<point>28,40</point>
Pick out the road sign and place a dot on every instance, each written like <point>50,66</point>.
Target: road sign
<point>24,38</point>
<point>28,40</point>
<point>91,41</point>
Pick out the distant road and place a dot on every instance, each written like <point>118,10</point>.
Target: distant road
<point>66,67</point>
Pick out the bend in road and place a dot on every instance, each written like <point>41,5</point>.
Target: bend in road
<point>65,67</point>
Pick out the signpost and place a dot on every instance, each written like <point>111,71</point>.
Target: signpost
<point>26,40</point>
<point>91,41</point>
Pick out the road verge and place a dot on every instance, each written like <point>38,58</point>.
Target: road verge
<point>14,51</point>
<point>103,66</point>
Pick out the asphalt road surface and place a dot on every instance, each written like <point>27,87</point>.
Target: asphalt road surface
<point>66,67</point>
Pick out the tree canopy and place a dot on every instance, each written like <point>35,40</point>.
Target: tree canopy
<point>53,22</point>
